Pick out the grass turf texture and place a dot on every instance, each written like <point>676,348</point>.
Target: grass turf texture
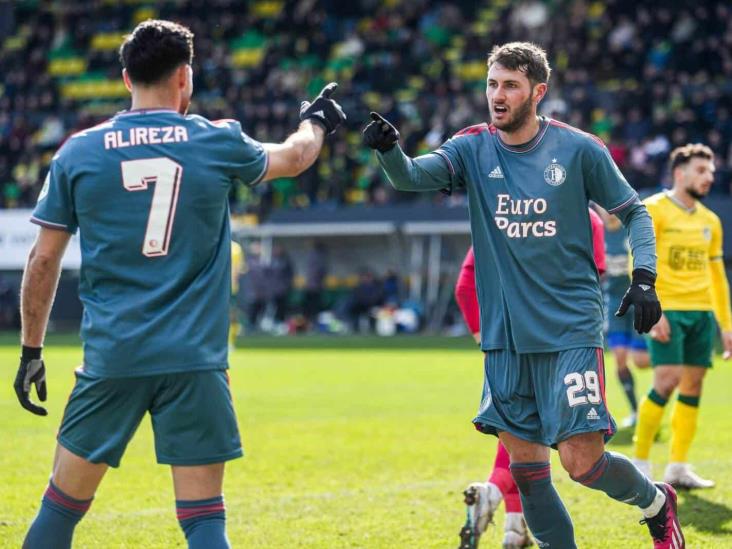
<point>357,446</point>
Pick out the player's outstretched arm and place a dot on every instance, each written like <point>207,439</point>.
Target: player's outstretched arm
<point>642,291</point>
<point>428,172</point>
<point>721,301</point>
<point>38,289</point>
<point>298,152</point>
<point>720,289</point>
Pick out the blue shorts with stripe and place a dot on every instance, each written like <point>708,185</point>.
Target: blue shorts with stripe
<point>545,397</point>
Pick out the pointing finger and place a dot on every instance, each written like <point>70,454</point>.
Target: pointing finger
<point>329,89</point>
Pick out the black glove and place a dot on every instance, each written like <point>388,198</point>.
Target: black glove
<point>31,371</point>
<point>380,134</point>
<point>642,295</point>
<point>324,110</point>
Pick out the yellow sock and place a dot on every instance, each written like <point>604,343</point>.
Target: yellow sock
<point>650,414</point>
<point>683,427</point>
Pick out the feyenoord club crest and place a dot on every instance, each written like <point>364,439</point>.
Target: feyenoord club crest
<point>555,174</point>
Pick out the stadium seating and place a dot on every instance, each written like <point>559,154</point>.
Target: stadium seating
<point>639,78</point>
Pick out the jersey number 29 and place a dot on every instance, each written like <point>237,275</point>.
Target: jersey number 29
<point>166,175</point>
<point>577,383</point>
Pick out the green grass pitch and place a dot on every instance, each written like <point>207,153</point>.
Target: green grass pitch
<point>364,445</point>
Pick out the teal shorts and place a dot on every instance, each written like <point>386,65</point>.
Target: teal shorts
<point>192,416</point>
<point>545,397</point>
<point>691,343</point>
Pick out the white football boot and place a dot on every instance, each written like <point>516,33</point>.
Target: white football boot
<point>644,466</point>
<point>516,532</point>
<point>681,475</point>
<point>629,421</point>
<point>481,500</point>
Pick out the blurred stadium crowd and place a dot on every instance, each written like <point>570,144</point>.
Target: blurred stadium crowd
<point>643,76</point>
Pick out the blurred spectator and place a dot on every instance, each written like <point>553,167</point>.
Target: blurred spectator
<point>256,286</point>
<point>642,75</point>
<point>367,294</point>
<point>391,288</point>
<point>9,313</point>
<point>280,273</point>
<point>316,269</point>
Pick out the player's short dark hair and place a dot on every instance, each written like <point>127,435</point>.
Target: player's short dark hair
<point>683,155</point>
<point>155,49</point>
<point>525,57</point>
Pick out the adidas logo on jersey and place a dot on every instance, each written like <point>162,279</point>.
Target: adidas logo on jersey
<point>497,173</point>
<point>592,414</point>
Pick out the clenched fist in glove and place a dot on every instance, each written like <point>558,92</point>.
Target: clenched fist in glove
<point>380,134</point>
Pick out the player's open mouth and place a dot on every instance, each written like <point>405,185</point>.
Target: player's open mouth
<point>500,110</point>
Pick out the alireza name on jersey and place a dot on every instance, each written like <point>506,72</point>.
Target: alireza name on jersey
<point>523,207</point>
<point>144,135</point>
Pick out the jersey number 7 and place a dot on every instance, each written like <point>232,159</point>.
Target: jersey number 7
<point>166,175</point>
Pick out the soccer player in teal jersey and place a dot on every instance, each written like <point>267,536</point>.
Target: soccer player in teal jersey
<point>621,339</point>
<point>529,180</point>
<point>148,191</point>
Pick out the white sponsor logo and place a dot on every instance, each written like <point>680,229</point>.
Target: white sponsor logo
<point>523,207</point>
<point>497,173</point>
<point>555,174</point>
<point>592,414</point>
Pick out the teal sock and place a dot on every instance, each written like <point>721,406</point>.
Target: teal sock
<point>53,527</point>
<point>203,522</point>
<point>628,384</point>
<point>543,509</point>
<point>616,475</point>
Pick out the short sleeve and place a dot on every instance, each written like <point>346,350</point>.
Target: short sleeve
<point>55,207</point>
<point>246,157</point>
<point>605,184</point>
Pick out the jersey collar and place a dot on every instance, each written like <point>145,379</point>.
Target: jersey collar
<point>680,204</point>
<point>529,145</point>
<point>145,111</point>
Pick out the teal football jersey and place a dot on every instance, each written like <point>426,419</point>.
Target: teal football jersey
<point>148,191</point>
<point>537,283</point>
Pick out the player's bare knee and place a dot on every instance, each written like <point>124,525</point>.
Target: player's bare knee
<point>75,476</point>
<point>665,380</point>
<point>580,453</point>
<point>692,379</point>
<point>641,360</point>
<point>522,451</point>
<point>198,482</point>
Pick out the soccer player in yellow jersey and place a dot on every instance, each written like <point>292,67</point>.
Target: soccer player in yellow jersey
<point>237,267</point>
<point>693,289</point>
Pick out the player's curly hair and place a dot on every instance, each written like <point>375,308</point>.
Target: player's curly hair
<point>155,49</point>
<point>683,155</point>
<point>525,57</point>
